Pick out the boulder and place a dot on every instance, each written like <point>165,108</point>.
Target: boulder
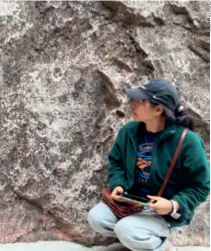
<point>63,68</point>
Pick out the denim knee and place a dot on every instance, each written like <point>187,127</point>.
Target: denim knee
<point>123,231</point>
<point>135,238</point>
<point>95,221</point>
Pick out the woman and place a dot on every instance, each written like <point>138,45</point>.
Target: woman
<point>139,161</point>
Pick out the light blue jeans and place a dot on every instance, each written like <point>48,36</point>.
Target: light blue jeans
<point>139,232</point>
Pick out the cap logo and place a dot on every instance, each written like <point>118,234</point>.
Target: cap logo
<point>155,97</point>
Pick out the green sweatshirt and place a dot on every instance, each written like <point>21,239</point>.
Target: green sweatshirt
<point>189,183</point>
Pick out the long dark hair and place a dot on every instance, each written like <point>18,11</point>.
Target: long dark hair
<point>179,117</point>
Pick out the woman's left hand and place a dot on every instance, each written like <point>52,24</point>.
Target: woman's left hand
<point>162,206</point>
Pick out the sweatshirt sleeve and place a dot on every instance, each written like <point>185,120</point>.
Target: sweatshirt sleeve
<point>195,175</point>
<point>116,172</point>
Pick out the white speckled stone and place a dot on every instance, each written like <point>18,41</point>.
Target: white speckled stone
<point>63,67</point>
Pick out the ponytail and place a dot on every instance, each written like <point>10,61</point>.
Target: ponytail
<point>179,117</point>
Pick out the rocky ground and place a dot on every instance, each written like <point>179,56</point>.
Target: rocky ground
<point>70,246</point>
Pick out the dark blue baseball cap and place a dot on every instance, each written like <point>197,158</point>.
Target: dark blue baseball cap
<point>159,91</point>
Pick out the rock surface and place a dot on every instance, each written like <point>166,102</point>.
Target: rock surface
<point>64,246</point>
<point>63,67</point>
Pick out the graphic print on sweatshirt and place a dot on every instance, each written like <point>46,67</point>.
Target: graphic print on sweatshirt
<point>143,163</point>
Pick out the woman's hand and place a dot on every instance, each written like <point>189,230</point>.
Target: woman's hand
<point>117,192</point>
<point>161,205</point>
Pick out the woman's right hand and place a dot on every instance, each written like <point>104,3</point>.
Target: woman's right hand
<point>117,192</point>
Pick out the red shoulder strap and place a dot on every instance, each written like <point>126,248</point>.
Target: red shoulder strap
<point>173,162</point>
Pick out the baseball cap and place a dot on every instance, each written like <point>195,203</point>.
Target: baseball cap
<point>159,91</point>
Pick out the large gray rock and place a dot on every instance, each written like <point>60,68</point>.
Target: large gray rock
<point>63,67</point>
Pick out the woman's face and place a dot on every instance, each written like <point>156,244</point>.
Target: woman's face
<point>143,111</point>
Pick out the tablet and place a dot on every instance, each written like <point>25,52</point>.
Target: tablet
<point>141,200</point>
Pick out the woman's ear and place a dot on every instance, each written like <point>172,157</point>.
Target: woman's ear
<point>158,110</point>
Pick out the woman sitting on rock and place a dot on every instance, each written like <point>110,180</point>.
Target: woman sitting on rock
<point>139,161</point>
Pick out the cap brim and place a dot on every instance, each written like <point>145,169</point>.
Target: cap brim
<point>136,94</point>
